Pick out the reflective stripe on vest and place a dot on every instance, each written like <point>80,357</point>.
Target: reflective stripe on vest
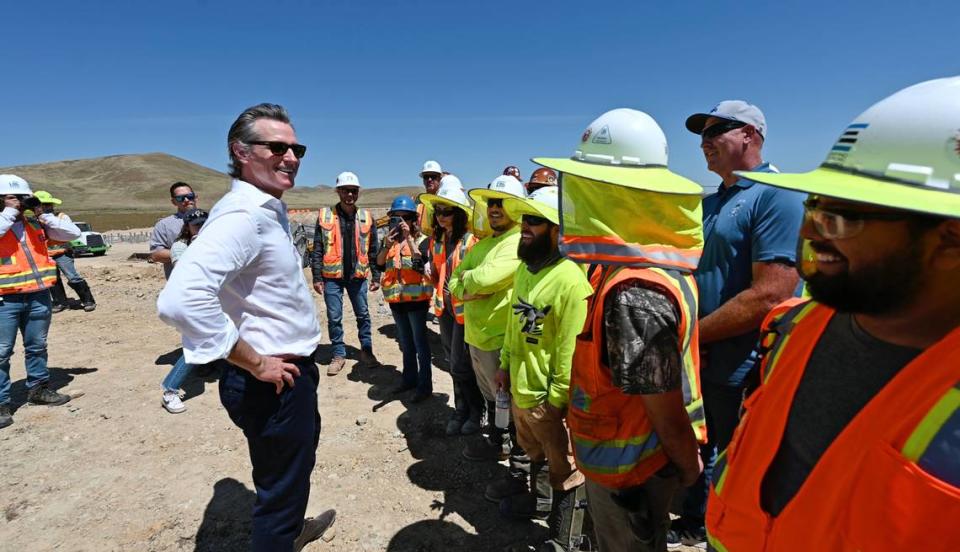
<point>439,250</point>
<point>401,283</point>
<point>890,480</point>
<point>329,225</point>
<point>25,265</point>
<point>613,440</point>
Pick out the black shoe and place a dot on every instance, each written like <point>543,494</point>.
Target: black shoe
<point>508,486</point>
<point>41,394</point>
<point>483,450</point>
<point>522,506</point>
<point>402,389</point>
<point>314,528</point>
<point>6,417</point>
<point>58,307</point>
<point>420,397</point>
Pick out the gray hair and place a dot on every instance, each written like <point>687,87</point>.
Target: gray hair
<point>241,131</point>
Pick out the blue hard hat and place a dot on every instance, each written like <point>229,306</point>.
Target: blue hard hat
<point>403,203</point>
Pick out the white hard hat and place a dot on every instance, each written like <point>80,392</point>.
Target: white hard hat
<point>431,167</point>
<point>450,193</point>
<point>11,184</point>
<point>501,187</point>
<point>451,181</point>
<point>347,178</point>
<point>543,202</point>
<point>903,153</point>
<point>624,147</point>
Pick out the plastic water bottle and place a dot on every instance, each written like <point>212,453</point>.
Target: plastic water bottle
<point>502,419</point>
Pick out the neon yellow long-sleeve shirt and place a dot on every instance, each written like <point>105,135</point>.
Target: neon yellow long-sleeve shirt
<point>487,269</point>
<point>540,339</point>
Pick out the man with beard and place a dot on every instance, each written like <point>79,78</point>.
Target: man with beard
<point>343,245</point>
<point>239,297</point>
<point>852,441</point>
<point>549,308</point>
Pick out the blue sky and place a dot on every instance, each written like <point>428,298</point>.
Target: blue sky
<point>378,87</point>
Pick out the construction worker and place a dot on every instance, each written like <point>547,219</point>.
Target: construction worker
<point>635,412</point>
<point>483,281</point>
<point>430,174</point>
<point>852,442</point>
<point>451,240</point>
<point>26,274</point>
<point>340,263</point>
<point>549,308</point>
<point>541,177</point>
<point>62,254</point>
<point>408,290</point>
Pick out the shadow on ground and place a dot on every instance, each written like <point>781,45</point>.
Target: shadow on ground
<point>226,520</point>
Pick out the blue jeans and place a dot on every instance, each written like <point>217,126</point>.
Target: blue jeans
<point>333,298</point>
<point>68,268</point>
<point>411,321</point>
<point>30,314</point>
<point>177,375</point>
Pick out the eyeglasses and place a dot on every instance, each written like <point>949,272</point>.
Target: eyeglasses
<point>409,218</point>
<point>533,220</point>
<point>280,148</point>
<point>348,190</point>
<point>444,211</point>
<point>430,176</point>
<point>721,128</point>
<point>838,224</point>
<point>495,203</point>
<point>185,197</point>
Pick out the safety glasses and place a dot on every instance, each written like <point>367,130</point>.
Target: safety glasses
<point>180,198</point>
<point>430,176</point>
<point>280,148</point>
<point>444,211</point>
<point>533,220</point>
<point>838,224</point>
<point>495,203</point>
<point>721,128</point>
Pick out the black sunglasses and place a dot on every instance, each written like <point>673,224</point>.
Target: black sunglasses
<point>280,148</point>
<point>533,220</point>
<point>445,211</point>
<point>185,197</point>
<point>495,203</point>
<point>721,128</point>
<point>409,217</point>
<point>431,176</point>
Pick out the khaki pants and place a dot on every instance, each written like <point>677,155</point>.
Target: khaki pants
<point>634,519</point>
<point>543,434</point>
<point>485,365</point>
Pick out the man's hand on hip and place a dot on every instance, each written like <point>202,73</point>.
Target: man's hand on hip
<point>276,371</point>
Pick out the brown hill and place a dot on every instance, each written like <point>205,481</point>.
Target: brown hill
<point>134,188</point>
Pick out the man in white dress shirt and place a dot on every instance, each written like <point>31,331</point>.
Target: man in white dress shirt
<point>239,297</point>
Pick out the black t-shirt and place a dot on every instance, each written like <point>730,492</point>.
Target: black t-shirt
<point>847,368</point>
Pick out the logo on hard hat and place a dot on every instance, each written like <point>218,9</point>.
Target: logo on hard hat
<point>846,142</point>
<point>586,135</point>
<point>603,137</point>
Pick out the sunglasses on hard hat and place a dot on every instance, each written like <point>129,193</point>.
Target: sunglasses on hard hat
<point>180,198</point>
<point>280,148</point>
<point>721,128</point>
<point>838,224</point>
<point>533,220</point>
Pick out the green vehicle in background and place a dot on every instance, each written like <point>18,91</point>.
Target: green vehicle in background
<point>89,242</point>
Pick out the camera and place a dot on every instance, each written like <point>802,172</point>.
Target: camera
<point>394,226</point>
<point>30,203</point>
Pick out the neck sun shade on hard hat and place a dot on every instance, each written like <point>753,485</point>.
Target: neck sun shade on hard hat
<point>609,224</point>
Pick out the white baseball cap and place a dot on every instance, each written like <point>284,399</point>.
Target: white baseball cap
<point>731,110</point>
<point>347,178</point>
<point>431,167</point>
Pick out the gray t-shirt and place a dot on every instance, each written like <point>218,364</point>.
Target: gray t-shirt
<point>165,232</point>
<point>847,368</point>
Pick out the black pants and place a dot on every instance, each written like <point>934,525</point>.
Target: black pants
<point>282,433</point>
<point>467,399</point>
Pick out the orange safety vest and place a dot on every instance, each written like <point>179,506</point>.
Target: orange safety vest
<point>440,269</point>
<point>329,224</point>
<point>26,267</point>
<point>613,440</point>
<point>889,481</point>
<point>401,283</point>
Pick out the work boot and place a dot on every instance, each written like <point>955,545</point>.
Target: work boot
<point>509,485</point>
<point>314,528</point>
<point>58,296</point>
<point>86,296</point>
<point>566,520</point>
<point>484,450</point>
<point>6,417</point>
<point>42,394</point>
<point>336,366</point>
<point>368,360</point>
<point>536,502</point>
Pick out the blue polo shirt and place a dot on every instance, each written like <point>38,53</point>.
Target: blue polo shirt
<point>743,224</point>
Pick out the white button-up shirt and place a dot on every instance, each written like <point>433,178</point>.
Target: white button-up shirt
<point>241,277</point>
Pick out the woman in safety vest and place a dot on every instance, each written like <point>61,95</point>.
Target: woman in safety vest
<point>450,242</point>
<point>401,259</point>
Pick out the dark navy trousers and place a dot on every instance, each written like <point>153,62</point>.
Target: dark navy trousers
<point>282,433</point>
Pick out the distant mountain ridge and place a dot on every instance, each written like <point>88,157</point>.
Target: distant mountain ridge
<point>140,182</point>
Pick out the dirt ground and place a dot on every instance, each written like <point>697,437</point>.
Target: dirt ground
<point>112,470</point>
